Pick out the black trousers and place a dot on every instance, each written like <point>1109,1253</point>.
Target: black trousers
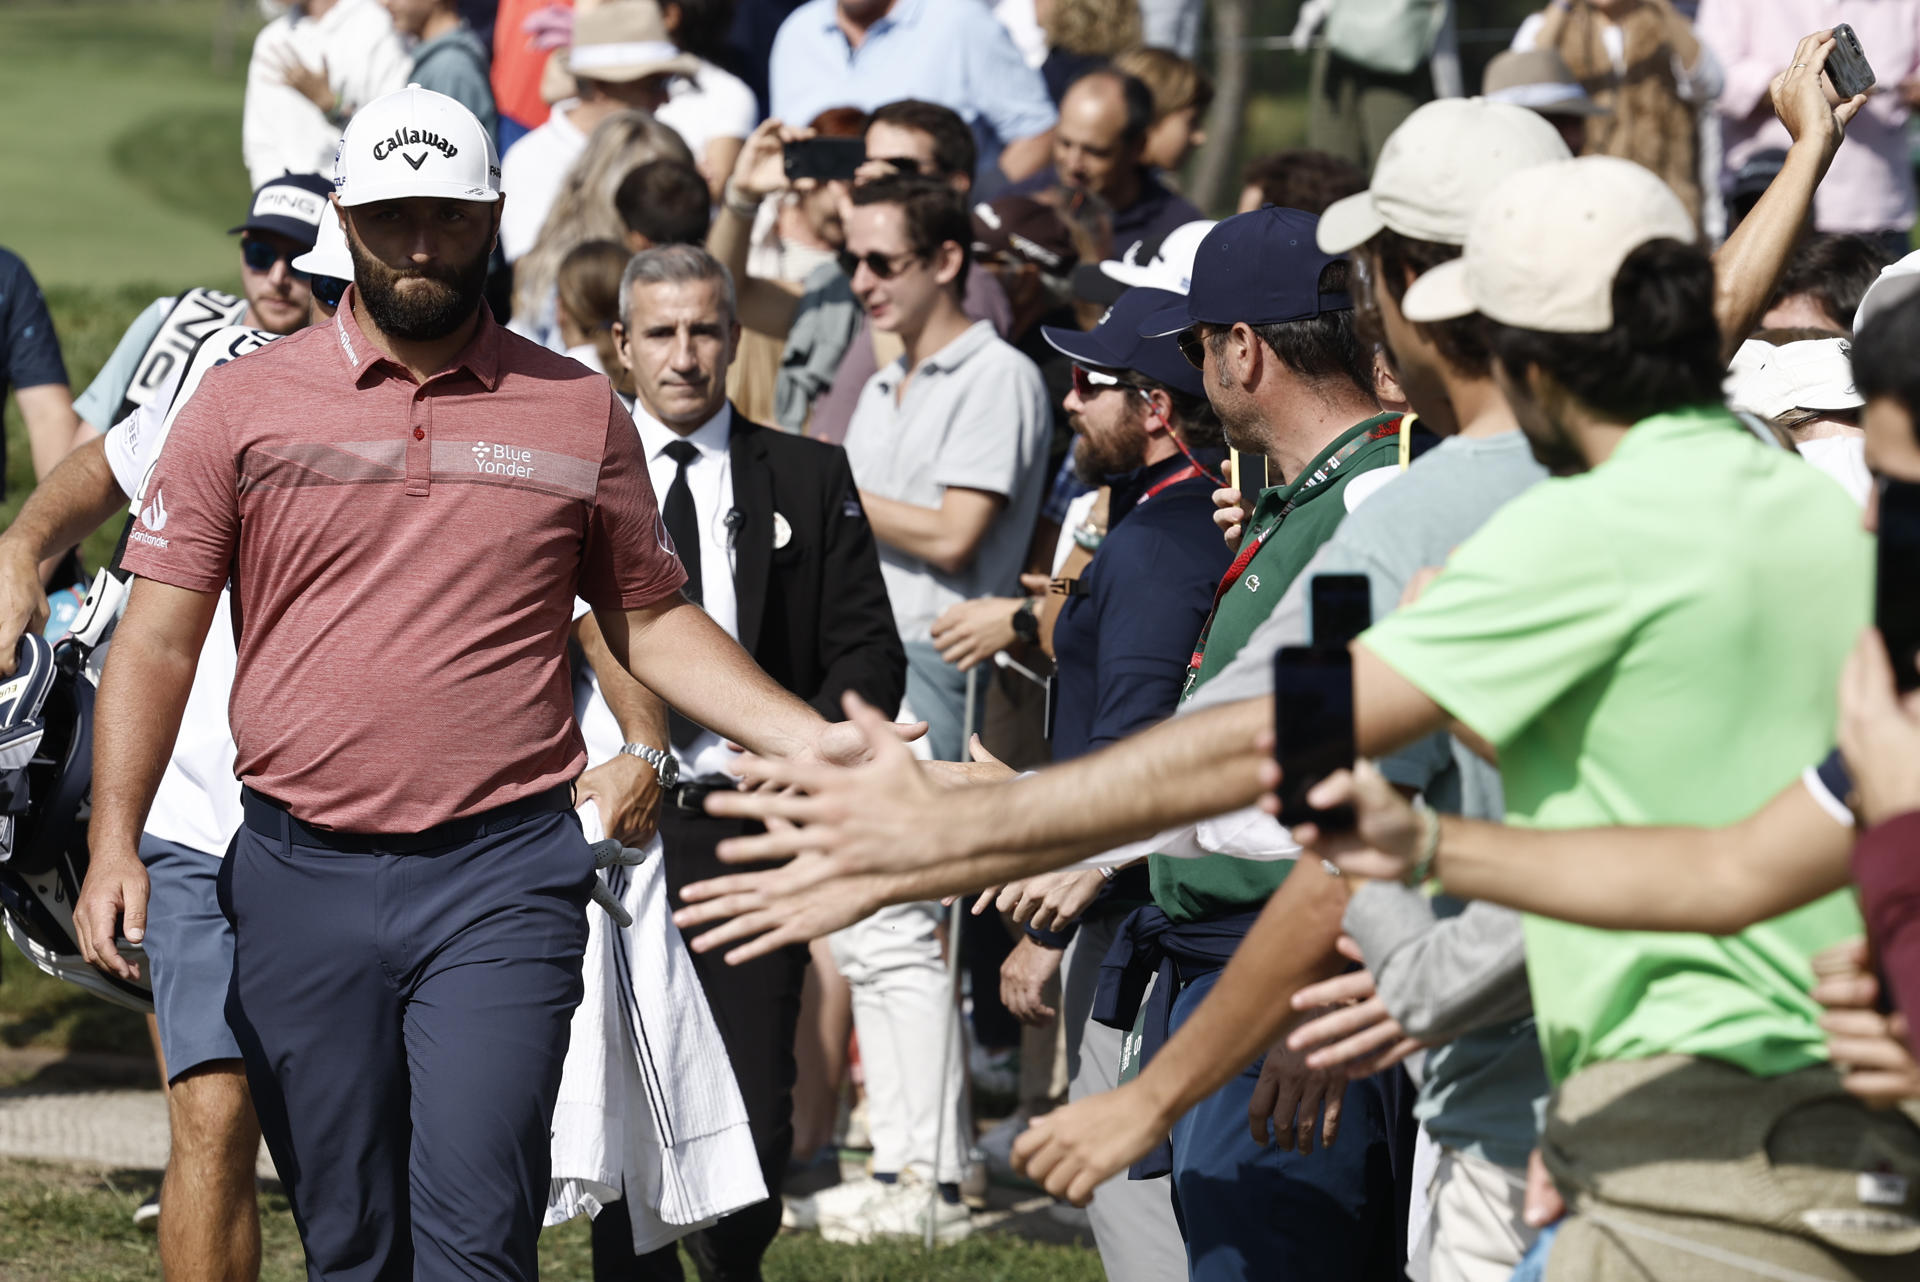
<point>757,1007</point>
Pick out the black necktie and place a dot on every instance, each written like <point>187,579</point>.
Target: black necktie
<point>682,525</point>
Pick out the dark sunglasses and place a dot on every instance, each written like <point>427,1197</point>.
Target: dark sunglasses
<point>327,289</point>
<point>904,164</point>
<point>1193,346</point>
<point>261,255</point>
<point>881,265</point>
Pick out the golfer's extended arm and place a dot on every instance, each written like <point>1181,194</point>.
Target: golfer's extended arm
<point>1290,946</point>
<point>640,713</point>
<point>143,692</point>
<point>675,650</point>
<point>76,497</point>
<point>1712,880</point>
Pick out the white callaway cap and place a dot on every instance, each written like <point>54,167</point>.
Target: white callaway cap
<point>1546,244</point>
<point>329,256</point>
<point>1436,168</point>
<point>415,142</point>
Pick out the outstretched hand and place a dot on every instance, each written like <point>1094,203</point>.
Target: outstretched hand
<point>1075,1149</point>
<point>1356,1033</point>
<point>877,816</point>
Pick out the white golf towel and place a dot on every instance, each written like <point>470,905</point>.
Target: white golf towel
<point>648,1100</point>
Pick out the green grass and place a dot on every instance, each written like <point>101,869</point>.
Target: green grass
<point>122,155</point>
<point>67,1225</point>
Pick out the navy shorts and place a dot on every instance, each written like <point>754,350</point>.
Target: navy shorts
<point>189,945</point>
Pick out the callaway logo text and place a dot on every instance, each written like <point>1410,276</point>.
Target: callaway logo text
<point>413,137</point>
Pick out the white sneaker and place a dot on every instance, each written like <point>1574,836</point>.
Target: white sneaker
<point>834,1203</point>
<point>901,1211</point>
<point>147,1214</point>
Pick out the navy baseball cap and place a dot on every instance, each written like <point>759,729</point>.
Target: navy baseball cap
<point>290,205</point>
<point>1117,343</point>
<point>1261,267</point>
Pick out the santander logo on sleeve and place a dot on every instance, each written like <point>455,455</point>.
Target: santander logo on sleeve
<point>153,519</point>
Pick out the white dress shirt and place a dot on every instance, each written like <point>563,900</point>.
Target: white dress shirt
<point>710,477</point>
<point>282,132</point>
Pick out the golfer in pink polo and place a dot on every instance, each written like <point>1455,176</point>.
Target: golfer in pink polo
<point>406,499</point>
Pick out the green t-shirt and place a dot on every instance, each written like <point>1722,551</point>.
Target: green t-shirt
<point>1656,641</point>
<point>1289,525</point>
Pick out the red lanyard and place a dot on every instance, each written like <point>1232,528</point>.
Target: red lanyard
<point>1186,473</point>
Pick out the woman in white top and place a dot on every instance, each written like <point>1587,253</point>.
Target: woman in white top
<point>713,110</point>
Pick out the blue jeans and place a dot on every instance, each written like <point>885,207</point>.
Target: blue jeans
<point>1533,1265</point>
<point>1260,1212</point>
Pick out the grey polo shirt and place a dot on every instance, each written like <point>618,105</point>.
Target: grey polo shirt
<point>974,416</point>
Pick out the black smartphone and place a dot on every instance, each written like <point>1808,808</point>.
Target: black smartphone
<point>1342,608</point>
<point>1313,728</point>
<point>1896,604</point>
<point>825,159</point>
<point>1847,66</point>
<point>1249,475</point>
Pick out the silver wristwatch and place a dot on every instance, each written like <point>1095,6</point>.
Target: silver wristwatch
<point>664,763</point>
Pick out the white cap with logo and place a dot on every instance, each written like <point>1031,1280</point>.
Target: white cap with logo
<point>415,142</point>
<point>1546,245</point>
<point>1436,168</point>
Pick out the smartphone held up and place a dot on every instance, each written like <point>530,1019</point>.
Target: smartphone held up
<point>1313,700</point>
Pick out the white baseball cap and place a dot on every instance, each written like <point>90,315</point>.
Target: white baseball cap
<point>1545,246</point>
<point>1814,374</point>
<point>329,256</point>
<point>1168,265</point>
<point>1436,169</point>
<point>1896,282</point>
<point>415,142</point>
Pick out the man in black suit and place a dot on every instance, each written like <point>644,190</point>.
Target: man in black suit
<point>778,550</point>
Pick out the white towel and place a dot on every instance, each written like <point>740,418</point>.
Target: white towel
<point>648,1100</point>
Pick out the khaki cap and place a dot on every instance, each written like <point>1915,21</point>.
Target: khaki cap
<point>625,40</point>
<point>1539,80</point>
<point>1547,243</point>
<point>1436,168</point>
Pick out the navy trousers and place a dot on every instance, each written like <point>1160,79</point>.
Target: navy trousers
<point>403,1015</point>
<point>1251,1212</point>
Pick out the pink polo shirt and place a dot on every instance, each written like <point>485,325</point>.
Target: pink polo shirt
<point>404,558</point>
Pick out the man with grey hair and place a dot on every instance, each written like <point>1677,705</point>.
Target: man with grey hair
<point>778,551</point>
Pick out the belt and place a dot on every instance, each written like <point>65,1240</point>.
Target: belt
<point>271,818</point>
<point>690,796</point>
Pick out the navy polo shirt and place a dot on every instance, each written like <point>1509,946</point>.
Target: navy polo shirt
<point>29,349</point>
<point>1124,639</point>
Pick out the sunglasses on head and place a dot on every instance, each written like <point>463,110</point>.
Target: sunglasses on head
<point>881,265</point>
<point>328,289</point>
<point>1089,383</point>
<point>261,255</point>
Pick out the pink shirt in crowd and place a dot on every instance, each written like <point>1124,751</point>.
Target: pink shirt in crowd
<point>404,558</point>
<point>1870,187</point>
